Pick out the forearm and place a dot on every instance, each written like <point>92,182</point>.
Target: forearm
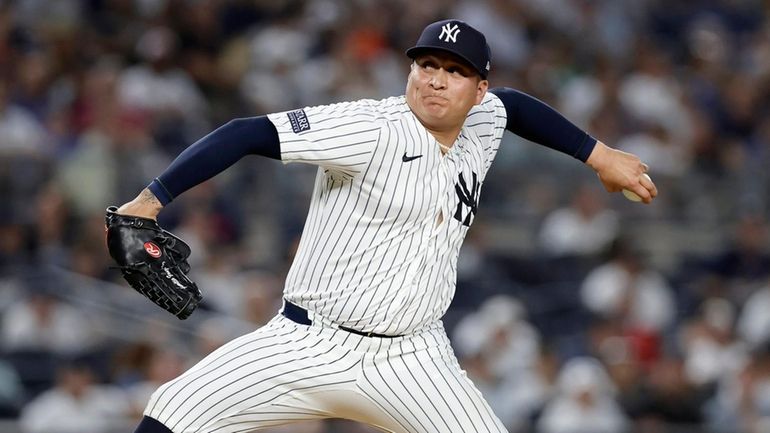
<point>530,118</point>
<point>214,153</point>
<point>534,120</point>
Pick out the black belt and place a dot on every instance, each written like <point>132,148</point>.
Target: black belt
<point>297,314</point>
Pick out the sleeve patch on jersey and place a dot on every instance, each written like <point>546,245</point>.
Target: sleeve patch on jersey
<point>298,120</point>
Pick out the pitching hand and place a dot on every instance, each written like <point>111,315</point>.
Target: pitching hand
<point>618,170</point>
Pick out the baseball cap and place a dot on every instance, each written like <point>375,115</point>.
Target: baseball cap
<point>458,38</point>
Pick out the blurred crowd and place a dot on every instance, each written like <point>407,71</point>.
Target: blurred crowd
<point>576,311</point>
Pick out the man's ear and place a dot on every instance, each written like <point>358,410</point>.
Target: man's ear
<point>481,90</point>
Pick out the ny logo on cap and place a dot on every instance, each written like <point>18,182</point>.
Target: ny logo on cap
<point>450,32</point>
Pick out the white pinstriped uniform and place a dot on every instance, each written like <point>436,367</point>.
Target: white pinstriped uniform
<point>378,254</point>
<point>371,256</point>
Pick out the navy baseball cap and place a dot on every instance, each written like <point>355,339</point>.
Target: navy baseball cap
<point>458,38</point>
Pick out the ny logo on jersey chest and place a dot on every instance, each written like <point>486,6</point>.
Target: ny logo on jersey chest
<point>468,200</point>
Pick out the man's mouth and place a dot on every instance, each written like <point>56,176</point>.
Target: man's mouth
<point>435,99</point>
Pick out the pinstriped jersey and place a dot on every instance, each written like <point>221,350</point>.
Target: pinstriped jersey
<point>388,213</point>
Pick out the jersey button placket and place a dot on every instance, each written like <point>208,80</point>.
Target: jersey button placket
<point>442,204</point>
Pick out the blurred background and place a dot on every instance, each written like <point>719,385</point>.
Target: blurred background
<point>576,311</point>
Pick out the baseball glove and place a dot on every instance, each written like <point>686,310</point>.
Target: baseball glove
<point>153,261</point>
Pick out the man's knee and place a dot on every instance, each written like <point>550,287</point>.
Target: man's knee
<point>151,425</point>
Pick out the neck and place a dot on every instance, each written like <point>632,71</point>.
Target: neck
<point>445,138</point>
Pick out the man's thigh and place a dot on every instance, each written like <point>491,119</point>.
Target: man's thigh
<point>425,390</point>
<point>253,382</point>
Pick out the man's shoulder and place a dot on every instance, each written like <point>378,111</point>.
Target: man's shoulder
<point>489,104</point>
<point>489,112</point>
<point>386,108</point>
<point>373,108</point>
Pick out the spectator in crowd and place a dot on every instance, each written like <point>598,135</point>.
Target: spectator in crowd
<point>77,404</point>
<point>163,91</point>
<point>88,173</point>
<point>627,291</point>
<point>709,345</point>
<point>24,153</point>
<point>651,93</point>
<point>42,322</point>
<point>740,402</point>
<point>585,228</point>
<point>584,401</point>
<point>754,323</point>
<point>22,133</point>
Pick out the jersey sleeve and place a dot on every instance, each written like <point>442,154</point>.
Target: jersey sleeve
<point>488,121</point>
<point>339,137</point>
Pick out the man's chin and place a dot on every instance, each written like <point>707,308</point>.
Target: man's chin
<point>432,116</point>
<point>435,111</point>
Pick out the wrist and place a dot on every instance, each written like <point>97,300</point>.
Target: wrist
<point>144,205</point>
<point>161,193</point>
<point>598,156</point>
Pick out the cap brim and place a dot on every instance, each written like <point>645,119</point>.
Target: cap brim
<point>420,49</point>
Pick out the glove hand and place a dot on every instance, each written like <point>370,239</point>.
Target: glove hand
<point>153,261</point>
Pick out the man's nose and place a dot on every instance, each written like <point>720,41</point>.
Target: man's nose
<point>438,80</point>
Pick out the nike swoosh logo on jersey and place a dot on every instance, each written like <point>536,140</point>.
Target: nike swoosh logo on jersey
<point>409,158</point>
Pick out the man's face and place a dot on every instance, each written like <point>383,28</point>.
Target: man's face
<point>442,88</point>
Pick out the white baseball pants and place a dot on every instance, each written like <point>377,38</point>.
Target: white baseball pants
<point>286,372</point>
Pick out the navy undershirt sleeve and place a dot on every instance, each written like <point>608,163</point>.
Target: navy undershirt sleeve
<point>536,121</point>
<point>214,153</point>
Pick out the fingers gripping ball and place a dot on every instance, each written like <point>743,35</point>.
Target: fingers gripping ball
<point>632,195</point>
<point>153,261</point>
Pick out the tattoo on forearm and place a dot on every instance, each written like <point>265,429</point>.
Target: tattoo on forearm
<point>147,197</point>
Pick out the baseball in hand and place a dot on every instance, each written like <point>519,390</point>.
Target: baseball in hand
<point>632,195</point>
